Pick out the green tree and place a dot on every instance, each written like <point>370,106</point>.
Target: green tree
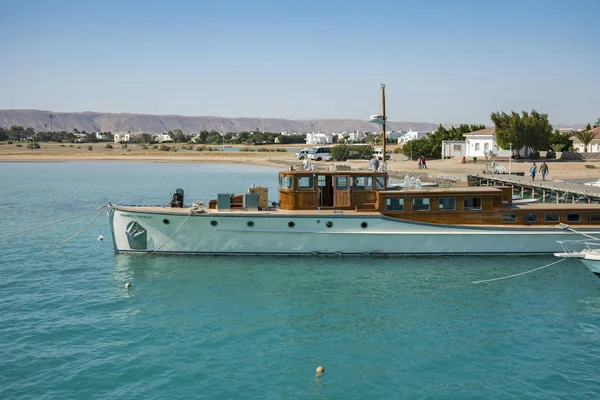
<point>3,134</point>
<point>526,129</point>
<point>597,124</point>
<point>560,138</point>
<point>588,127</point>
<point>585,137</point>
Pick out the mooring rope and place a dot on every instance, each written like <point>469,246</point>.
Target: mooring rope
<point>521,273</point>
<point>169,239</point>
<point>87,226</point>
<point>52,223</point>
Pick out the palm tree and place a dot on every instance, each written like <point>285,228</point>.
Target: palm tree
<point>51,116</point>
<point>585,137</point>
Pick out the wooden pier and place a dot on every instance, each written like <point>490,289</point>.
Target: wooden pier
<point>544,191</point>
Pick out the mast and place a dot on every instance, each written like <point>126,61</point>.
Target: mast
<point>383,122</point>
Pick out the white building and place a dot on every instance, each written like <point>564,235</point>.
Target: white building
<point>319,138</point>
<point>482,142</point>
<point>411,135</point>
<point>122,137</point>
<point>593,146</point>
<point>454,148</point>
<point>162,137</point>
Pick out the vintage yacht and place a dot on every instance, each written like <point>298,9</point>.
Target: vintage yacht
<point>347,212</point>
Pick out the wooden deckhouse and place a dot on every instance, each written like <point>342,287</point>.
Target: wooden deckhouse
<point>367,191</point>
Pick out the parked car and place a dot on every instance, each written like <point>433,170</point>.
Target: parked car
<point>320,153</point>
<point>302,154</point>
<point>379,154</point>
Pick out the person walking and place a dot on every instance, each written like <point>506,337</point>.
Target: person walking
<point>544,170</point>
<point>532,171</point>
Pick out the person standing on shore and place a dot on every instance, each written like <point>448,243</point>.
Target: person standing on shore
<point>532,171</point>
<point>544,170</point>
<point>424,162</point>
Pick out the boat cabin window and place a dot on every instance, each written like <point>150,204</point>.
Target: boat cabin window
<point>306,182</point>
<point>530,217</point>
<point>341,182</point>
<point>321,180</point>
<point>595,217</point>
<point>573,217</point>
<point>287,182</point>
<point>364,183</point>
<point>509,217</point>
<point>379,182</point>
<point>553,217</point>
<point>394,204</point>
<point>421,204</point>
<point>447,203</point>
<point>472,203</point>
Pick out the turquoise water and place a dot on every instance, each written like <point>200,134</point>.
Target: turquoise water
<point>257,327</point>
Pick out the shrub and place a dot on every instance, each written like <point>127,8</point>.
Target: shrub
<point>164,147</point>
<point>9,142</point>
<point>62,145</point>
<point>200,148</point>
<point>90,147</point>
<point>78,147</point>
<point>108,146</point>
<point>70,145</point>
<point>33,146</point>
<point>18,145</point>
<point>155,146</point>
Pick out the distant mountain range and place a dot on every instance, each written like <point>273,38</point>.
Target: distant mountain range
<point>111,122</point>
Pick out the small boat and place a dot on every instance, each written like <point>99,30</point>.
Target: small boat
<point>352,212</point>
<point>588,252</point>
<point>595,183</point>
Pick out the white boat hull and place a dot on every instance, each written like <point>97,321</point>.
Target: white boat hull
<point>264,233</point>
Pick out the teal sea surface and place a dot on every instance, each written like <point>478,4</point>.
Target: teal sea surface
<point>257,327</point>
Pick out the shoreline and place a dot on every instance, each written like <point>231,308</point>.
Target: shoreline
<point>447,170</point>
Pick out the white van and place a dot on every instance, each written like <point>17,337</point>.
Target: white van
<point>319,153</point>
<point>302,154</point>
<point>379,154</point>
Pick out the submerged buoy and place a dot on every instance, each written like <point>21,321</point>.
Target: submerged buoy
<point>100,238</point>
<point>127,285</point>
<point>320,369</point>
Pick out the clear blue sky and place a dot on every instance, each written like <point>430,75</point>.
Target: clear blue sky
<point>442,61</point>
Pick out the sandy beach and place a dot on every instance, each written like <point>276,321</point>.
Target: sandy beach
<point>451,169</point>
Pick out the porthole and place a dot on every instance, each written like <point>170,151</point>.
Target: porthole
<point>318,221</point>
<point>214,223</point>
<point>329,224</point>
<point>364,225</point>
<point>291,224</point>
<point>250,224</point>
<point>166,221</point>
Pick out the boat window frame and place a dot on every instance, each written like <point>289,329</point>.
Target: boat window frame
<point>569,217</point>
<point>347,184</point>
<point>323,181</point>
<point>367,187</point>
<point>593,217</point>
<point>400,204</point>
<point>512,219</point>
<point>291,182</point>
<point>446,209</point>
<point>423,202</point>
<point>311,179</point>
<point>546,219</point>
<point>530,221</point>
<point>474,207</point>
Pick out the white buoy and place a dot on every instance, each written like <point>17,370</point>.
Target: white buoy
<point>320,369</point>
<point>127,285</point>
<point>101,238</point>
